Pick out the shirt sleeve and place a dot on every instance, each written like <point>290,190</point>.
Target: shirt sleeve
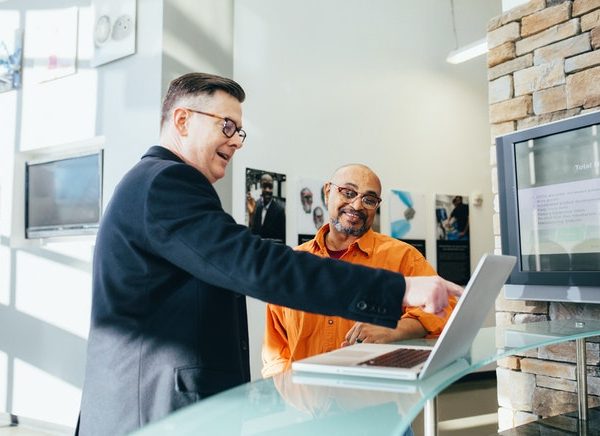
<point>432,323</point>
<point>276,354</point>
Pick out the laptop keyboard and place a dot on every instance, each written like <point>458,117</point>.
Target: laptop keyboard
<point>400,358</point>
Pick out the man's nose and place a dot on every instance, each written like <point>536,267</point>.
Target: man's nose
<point>360,203</point>
<point>236,141</point>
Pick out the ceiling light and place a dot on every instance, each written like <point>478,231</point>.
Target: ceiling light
<point>467,52</point>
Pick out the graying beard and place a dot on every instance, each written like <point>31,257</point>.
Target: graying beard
<point>347,230</point>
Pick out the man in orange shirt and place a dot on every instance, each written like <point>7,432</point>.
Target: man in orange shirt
<point>352,198</point>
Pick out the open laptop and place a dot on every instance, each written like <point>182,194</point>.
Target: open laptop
<point>409,362</point>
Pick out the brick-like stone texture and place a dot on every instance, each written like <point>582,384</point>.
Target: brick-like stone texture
<point>587,111</point>
<point>507,33</point>
<point>548,36</point>
<point>549,368</point>
<point>504,319</point>
<point>510,362</point>
<point>502,53</point>
<point>545,18</point>
<point>562,49</point>
<point>515,389</point>
<point>575,311</point>
<point>591,20</point>
<point>528,122</point>
<point>523,318</point>
<point>583,6</point>
<point>495,217</point>
<point>516,13</point>
<point>493,161</point>
<point>593,384</point>
<point>504,305</point>
<point>595,38</point>
<point>513,109</point>
<point>550,402</point>
<point>539,77</point>
<point>583,61</point>
<point>500,129</point>
<point>565,352</point>
<point>560,384</point>
<point>549,100</point>
<point>583,88</point>
<point>513,418</point>
<point>500,89</point>
<point>510,66</point>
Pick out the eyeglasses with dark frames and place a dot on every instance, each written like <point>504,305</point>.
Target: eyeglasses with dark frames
<point>369,201</point>
<point>229,126</point>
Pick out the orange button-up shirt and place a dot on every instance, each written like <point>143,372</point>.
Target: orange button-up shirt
<point>292,334</point>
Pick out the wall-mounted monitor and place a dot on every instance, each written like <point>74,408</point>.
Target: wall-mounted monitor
<point>549,198</point>
<point>63,196</point>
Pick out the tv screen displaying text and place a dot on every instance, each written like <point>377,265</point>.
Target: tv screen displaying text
<point>558,193</point>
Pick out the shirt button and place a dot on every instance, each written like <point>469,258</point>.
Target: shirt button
<point>330,321</point>
<point>361,305</point>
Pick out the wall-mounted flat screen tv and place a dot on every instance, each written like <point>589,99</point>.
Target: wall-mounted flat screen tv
<point>549,197</point>
<point>63,197</point>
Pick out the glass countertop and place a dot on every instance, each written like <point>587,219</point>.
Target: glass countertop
<point>294,403</point>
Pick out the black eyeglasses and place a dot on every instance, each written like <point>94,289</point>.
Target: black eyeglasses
<point>369,201</point>
<point>229,126</point>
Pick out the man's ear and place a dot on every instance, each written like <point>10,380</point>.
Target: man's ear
<point>326,190</point>
<point>180,121</point>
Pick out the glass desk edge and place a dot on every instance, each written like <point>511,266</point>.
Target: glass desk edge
<point>488,347</point>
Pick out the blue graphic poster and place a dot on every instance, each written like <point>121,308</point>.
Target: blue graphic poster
<point>407,218</point>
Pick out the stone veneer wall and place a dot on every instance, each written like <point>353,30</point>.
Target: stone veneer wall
<point>543,65</point>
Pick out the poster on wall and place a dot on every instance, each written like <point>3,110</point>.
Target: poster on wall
<point>313,211</point>
<point>114,30</point>
<point>265,204</point>
<point>11,50</point>
<point>407,218</point>
<point>51,43</point>
<point>452,234</point>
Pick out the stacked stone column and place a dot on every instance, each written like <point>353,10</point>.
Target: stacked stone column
<point>543,65</point>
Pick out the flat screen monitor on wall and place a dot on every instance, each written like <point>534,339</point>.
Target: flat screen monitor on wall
<point>549,195</point>
<point>63,197</point>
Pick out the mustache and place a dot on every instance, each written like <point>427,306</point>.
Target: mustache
<point>349,209</point>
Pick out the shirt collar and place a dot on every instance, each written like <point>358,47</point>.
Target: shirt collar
<point>162,153</point>
<point>366,243</point>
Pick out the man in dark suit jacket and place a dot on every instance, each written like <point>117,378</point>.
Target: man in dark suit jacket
<point>268,217</point>
<point>171,269</point>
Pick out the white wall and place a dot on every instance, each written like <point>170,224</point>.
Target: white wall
<point>335,82</point>
<point>198,36</point>
<point>45,290</point>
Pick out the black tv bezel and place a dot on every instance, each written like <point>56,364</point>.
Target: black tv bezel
<point>508,204</point>
<point>55,231</point>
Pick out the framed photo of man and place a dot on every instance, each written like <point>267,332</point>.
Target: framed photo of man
<point>265,203</point>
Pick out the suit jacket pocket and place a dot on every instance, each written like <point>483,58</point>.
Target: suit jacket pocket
<point>203,381</point>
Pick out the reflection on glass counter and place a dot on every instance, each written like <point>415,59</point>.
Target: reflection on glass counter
<point>295,403</point>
